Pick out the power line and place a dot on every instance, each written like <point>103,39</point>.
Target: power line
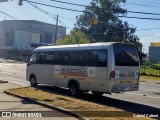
<point>66,18</point>
<point>148,35</point>
<point>47,13</point>
<point>84,5</point>
<point>9,11</point>
<point>149,29</point>
<point>7,15</point>
<point>24,23</point>
<point>143,5</point>
<point>69,3</point>
<point>54,6</point>
<point>143,12</point>
<point>141,18</point>
<point>149,2</point>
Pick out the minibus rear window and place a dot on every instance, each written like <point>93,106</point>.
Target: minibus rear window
<point>125,55</point>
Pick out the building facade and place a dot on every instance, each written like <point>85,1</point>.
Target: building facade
<point>28,34</point>
<point>154,52</point>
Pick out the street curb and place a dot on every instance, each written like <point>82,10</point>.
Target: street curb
<point>2,81</point>
<point>59,109</point>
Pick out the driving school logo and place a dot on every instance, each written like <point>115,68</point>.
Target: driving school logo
<point>74,71</point>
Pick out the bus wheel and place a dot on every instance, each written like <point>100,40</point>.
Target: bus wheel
<point>74,89</point>
<point>97,93</point>
<point>33,81</point>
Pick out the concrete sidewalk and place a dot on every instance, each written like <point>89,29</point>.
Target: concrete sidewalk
<point>150,81</point>
<point>11,103</point>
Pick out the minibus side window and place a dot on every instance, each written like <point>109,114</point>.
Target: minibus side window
<point>97,58</point>
<point>125,55</point>
<point>41,58</point>
<point>33,59</point>
<point>101,58</point>
<point>56,60</point>
<point>78,58</point>
<point>61,58</point>
<point>65,58</point>
<point>50,58</point>
<point>91,58</point>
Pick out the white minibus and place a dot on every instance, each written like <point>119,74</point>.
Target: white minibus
<point>98,67</point>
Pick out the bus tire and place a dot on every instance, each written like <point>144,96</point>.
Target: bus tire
<point>97,93</point>
<point>33,81</point>
<point>73,88</point>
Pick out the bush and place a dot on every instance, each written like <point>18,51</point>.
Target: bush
<point>147,63</point>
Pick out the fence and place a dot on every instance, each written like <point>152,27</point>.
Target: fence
<point>150,70</point>
<point>15,54</point>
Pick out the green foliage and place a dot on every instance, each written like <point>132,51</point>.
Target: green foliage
<point>108,22</point>
<point>147,63</point>
<point>158,63</point>
<point>150,69</point>
<point>75,37</point>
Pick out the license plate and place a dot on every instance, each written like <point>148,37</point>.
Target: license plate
<point>126,88</point>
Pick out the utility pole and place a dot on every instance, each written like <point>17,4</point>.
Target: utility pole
<point>56,29</point>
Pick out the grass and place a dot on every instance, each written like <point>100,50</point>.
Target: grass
<point>76,105</point>
<point>149,69</point>
<point>149,77</point>
<point>158,64</point>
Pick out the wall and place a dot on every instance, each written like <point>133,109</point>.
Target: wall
<point>8,30</point>
<point>154,54</point>
<point>22,39</point>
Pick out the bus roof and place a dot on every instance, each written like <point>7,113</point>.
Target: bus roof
<point>99,45</point>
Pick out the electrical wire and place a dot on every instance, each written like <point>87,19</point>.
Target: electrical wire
<point>48,13</point>
<point>7,15</point>
<point>142,1</point>
<point>54,6</point>
<point>24,23</point>
<point>149,13</point>
<point>140,18</point>
<point>138,4</point>
<point>82,11</point>
<point>69,3</point>
<point>118,16</point>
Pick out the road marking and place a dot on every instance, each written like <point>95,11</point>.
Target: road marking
<point>145,95</point>
<point>17,82</point>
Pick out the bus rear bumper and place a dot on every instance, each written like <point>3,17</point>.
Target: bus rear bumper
<point>125,88</point>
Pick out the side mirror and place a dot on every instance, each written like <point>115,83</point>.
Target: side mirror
<point>27,61</point>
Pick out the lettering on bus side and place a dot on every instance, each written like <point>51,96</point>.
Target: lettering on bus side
<point>81,71</point>
<point>124,74</point>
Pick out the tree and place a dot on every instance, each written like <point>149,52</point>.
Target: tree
<point>75,37</point>
<point>110,27</point>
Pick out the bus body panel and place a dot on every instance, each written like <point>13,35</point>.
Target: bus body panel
<point>126,79</point>
<point>127,68</point>
<point>89,78</point>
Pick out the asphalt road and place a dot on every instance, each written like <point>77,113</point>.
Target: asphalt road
<point>15,106</point>
<point>15,75</point>
<point>146,99</point>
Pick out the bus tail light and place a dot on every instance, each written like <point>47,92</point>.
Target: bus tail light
<point>112,74</point>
